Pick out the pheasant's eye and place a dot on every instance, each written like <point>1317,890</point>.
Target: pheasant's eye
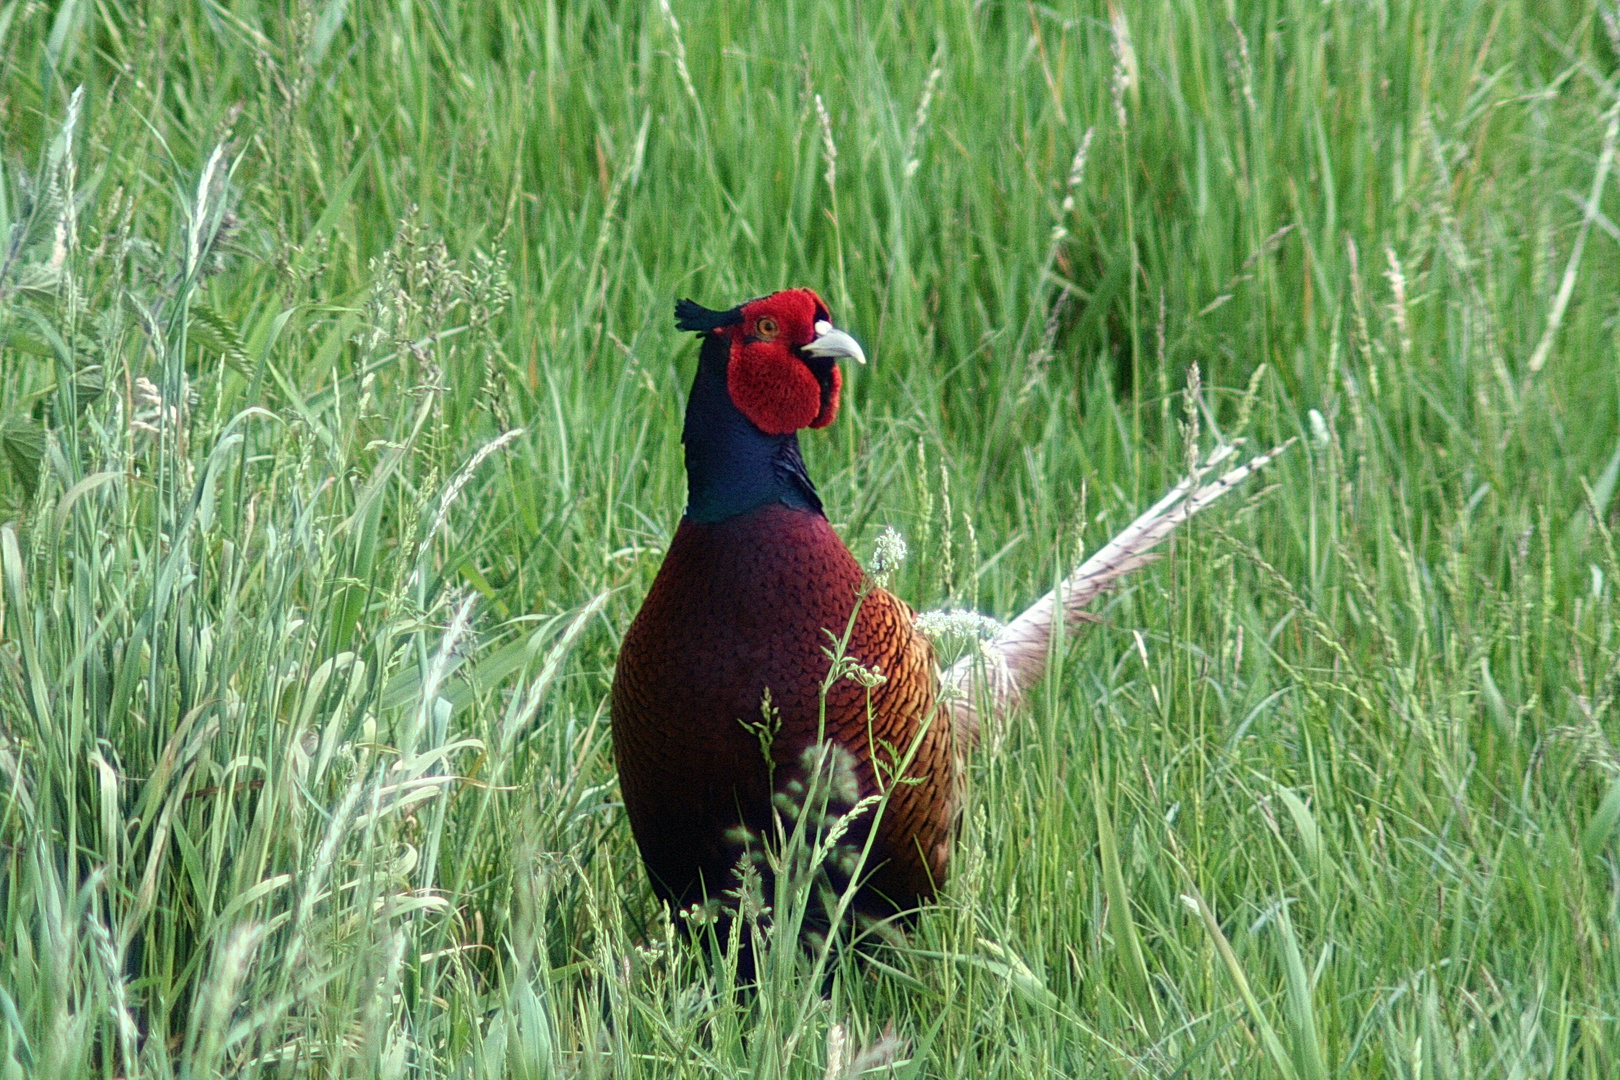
<point>767,327</point>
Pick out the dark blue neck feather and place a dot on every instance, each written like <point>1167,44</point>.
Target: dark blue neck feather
<point>731,465</point>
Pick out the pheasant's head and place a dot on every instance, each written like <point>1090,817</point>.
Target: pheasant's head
<point>782,373</point>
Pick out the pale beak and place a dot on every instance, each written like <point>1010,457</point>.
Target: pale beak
<point>834,343</point>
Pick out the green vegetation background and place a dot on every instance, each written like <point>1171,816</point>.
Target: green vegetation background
<point>339,414</point>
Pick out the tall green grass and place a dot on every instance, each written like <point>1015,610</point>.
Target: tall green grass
<point>339,414</point>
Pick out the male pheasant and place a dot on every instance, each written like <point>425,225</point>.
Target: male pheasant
<point>721,705</point>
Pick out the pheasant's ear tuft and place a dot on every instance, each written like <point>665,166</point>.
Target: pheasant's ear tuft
<point>691,315</point>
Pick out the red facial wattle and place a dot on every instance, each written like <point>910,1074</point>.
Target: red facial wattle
<point>775,389</point>
<point>781,373</point>
<point>829,398</point>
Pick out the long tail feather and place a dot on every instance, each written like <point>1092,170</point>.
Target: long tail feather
<point>1015,659</point>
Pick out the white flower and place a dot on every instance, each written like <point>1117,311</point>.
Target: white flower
<point>887,554</point>
<point>957,623</point>
<point>1319,428</point>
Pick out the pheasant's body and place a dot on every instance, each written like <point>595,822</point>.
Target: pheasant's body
<point>753,597</point>
<point>754,603</point>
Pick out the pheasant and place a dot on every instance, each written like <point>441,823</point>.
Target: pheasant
<point>723,713</point>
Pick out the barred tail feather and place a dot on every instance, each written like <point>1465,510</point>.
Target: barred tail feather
<point>1015,659</point>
